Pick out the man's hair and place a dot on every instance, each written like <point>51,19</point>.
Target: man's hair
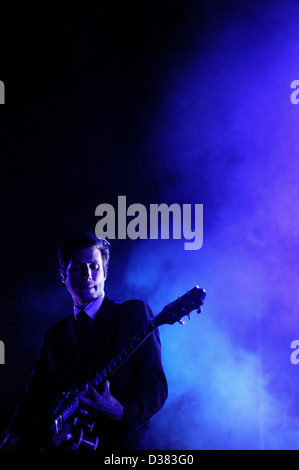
<point>84,240</point>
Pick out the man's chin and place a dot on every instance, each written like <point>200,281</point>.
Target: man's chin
<point>87,297</point>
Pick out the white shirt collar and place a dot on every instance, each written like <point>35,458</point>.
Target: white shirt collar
<point>92,308</point>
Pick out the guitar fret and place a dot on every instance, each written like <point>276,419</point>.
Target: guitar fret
<point>123,353</point>
<point>69,410</point>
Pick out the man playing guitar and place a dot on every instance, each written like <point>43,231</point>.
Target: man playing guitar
<point>77,348</point>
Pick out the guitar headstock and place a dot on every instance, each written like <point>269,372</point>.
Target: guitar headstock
<point>184,305</point>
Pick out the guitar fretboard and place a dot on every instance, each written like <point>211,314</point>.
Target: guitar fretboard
<point>124,354</point>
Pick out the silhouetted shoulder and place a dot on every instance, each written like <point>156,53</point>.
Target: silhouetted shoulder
<point>60,327</point>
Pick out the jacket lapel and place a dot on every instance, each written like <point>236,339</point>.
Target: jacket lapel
<point>92,353</point>
<point>62,350</point>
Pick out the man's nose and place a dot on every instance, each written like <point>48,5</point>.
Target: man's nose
<point>86,272</point>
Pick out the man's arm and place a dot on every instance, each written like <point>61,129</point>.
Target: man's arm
<point>30,416</point>
<point>149,390</point>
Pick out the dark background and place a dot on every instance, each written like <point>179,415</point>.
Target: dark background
<point>178,102</point>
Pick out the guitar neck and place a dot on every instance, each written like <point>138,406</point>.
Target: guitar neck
<point>124,354</point>
<point>170,314</point>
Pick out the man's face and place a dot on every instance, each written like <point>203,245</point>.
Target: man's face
<point>84,277</point>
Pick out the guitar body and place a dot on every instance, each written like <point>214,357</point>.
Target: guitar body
<point>87,439</point>
<point>72,429</point>
<point>75,435</point>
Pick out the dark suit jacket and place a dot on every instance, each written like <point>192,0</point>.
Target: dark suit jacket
<point>140,385</point>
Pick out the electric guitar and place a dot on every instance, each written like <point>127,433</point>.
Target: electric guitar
<point>73,429</point>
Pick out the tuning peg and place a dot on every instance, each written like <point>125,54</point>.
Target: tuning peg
<point>189,316</point>
<point>181,322</point>
<point>199,310</point>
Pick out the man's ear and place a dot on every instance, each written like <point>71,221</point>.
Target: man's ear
<point>62,276</point>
